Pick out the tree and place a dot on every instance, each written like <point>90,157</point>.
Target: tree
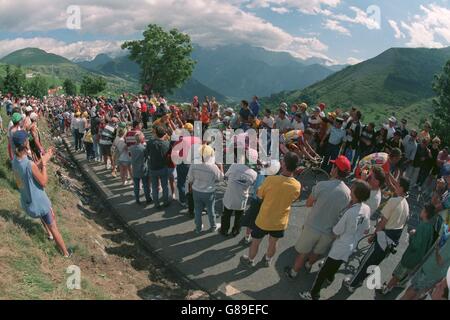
<point>69,87</point>
<point>92,85</point>
<point>441,104</point>
<point>37,87</point>
<point>164,58</point>
<point>14,80</point>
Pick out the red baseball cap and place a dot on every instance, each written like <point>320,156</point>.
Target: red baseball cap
<point>342,163</point>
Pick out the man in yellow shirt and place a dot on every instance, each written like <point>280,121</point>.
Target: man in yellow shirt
<point>277,194</point>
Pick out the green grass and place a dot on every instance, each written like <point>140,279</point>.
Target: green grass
<point>31,266</point>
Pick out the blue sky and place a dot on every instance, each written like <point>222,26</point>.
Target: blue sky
<point>335,31</point>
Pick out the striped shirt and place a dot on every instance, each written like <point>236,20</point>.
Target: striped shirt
<point>107,135</point>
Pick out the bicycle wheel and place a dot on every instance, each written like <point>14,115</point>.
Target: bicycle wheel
<point>363,244</point>
<point>310,177</point>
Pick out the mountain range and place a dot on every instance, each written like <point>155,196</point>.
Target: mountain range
<point>397,82</point>
<point>236,72</point>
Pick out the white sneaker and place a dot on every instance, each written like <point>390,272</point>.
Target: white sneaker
<point>308,266</point>
<point>306,295</point>
<point>346,283</point>
<point>267,262</point>
<point>216,228</point>
<point>245,260</point>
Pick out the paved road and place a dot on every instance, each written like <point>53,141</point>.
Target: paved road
<point>211,260</point>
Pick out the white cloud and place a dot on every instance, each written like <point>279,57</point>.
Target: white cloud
<point>398,33</point>
<point>280,10</point>
<point>352,60</point>
<point>335,26</point>
<point>304,6</point>
<point>370,18</point>
<point>431,29</point>
<point>208,22</point>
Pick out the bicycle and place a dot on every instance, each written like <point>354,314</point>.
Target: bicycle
<point>310,173</point>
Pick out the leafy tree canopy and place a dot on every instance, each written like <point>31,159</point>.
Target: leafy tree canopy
<point>164,57</point>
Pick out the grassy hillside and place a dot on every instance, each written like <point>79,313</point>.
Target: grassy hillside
<point>33,56</point>
<point>56,69</point>
<point>399,81</point>
<point>112,265</point>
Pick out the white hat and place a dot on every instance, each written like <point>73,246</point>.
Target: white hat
<point>33,116</point>
<point>283,105</point>
<point>273,169</point>
<point>392,119</point>
<point>29,108</point>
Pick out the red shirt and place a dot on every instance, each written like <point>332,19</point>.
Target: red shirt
<point>130,138</point>
<point>143,107</point>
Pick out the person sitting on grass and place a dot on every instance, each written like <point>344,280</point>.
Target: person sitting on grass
<point>31,179</point>
<point>277,194</point>
<point>421,241</point>
<point>355,220</point>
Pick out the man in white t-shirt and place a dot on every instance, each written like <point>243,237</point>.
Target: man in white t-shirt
<point>282,122</point>
<point>355,220</point>
<point>268,121</point>
<point>387,233</point>
<point>240,178</point>
<point>297,123</point>
<point>391,127</point>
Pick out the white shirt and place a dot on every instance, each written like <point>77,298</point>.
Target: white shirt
<point>298,125</point>
<point>240,179</point>
<point>352,224</point>
<point>374,200</point>
<point>269,121</point>
<point>204,177</point>
<point>283,124</point>
<point>390,132</point>
<point>81,125</point>
<point>74,122</point>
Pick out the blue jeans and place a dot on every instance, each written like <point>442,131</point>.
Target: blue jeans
<point>163,175</point>
<point>145,185</point>
<point>202,200</point>
<point>96,147</point>
<point>75,137</point>
<point>182,171</point>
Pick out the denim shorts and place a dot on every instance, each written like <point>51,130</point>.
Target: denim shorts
<point>124,163</point>
<point>48,218</point>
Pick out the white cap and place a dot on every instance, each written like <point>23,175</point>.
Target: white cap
<point>33,116</point>
<point>273,169</point>
<point>29,108</point>
<point>283,105</point>
<point>392,119</point>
